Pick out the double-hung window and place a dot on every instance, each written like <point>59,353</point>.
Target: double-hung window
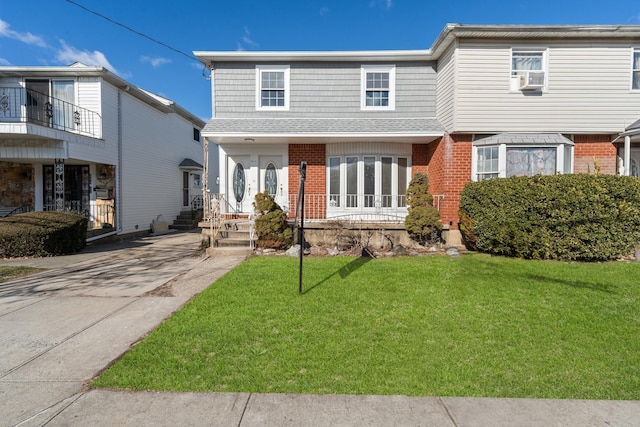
<point>272,88</point>
<point>528,68</point>
<point>378,87</point>
<point>635,70</point>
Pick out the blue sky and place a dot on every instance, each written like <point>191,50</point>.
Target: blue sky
<point>57,32</point>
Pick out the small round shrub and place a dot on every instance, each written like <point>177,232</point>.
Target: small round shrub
<point>271,223</point>
<point>564,217</point>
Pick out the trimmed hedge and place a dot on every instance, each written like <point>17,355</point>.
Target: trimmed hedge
<point>42,234</point>
<point>565,217</point>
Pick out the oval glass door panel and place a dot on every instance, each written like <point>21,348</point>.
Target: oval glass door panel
<point>238,182</point>
<point>271,179</point>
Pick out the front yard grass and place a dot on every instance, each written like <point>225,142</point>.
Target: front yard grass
<point>474,325</point>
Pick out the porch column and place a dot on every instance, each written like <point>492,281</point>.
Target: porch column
<point>627,155</point>
<point>58,184</point>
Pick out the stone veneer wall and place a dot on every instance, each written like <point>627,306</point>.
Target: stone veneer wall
<point>17,185</point>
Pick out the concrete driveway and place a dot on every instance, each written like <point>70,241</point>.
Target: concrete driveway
<point>60,327</point>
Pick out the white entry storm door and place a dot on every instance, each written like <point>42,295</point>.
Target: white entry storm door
<point>239,191</point>
<point>271,177</point>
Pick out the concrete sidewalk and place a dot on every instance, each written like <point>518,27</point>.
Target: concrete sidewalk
<point>60,327</point>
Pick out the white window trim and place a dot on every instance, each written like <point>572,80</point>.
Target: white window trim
<point>514,84</point>
<point>502,158</point>
<point>634,50</point>
<point>266,68</point>
<point>391,69</point>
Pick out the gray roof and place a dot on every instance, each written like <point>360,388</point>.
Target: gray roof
<point>633,126</point>
<point>188,163</point>
<point>524,139</point>
<point>323,126</point>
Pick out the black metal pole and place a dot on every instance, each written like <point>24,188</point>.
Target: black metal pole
<point>303,176</point>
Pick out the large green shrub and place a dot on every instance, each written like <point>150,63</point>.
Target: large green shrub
<point>42,234</point>
<point>567,217</point>
<point>423,220</point>
<point>271,223</point>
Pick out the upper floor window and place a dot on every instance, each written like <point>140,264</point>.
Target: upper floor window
<point>196,134</point>
<point>635,70</point>
<point>272,88</point>
<point>528,69</point>
<point>378,87</point>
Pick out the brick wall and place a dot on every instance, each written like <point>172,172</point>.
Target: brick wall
<point>589,149</point>
<point>448,166</point>
<point>316,180</point>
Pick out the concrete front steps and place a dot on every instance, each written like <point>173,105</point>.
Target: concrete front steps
<point>187,220</point>
<point>232,239</point>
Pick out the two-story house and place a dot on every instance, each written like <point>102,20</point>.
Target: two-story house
<point>484,101</point>
<point>82,139</point>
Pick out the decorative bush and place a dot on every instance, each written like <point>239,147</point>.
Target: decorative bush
<point>42,234</point>
<point>565,217</point>
<point>271,223</point>
<point>423,220</point>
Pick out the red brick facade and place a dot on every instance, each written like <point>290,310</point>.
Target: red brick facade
<point>316,180</point>
<point>447,162</point>
<point>589,149</point>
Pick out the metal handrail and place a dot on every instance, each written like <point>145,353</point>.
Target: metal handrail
<point>18,104</point>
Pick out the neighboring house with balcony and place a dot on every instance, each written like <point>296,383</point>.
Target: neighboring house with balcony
<point>82,139</point>
<point>484,101</point>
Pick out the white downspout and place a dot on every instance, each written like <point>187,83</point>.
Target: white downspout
<point>627,155</point>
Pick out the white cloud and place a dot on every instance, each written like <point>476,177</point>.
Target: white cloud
<point>155,62</point>
<point>69,54</point>
<point>247,41</point>
<point>4,62</point>
<point>28,38</point>
<point>384,4</point>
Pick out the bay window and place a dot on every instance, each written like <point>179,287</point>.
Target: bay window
<point>367,181</point>
<point>499,157</point>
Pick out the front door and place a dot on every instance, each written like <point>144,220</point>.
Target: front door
<point>634,162</point>
<point>238,185</point>
<point>185,189</point>
<point>270,177</point>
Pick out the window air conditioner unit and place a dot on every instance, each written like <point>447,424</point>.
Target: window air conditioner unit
<point>532,80</point>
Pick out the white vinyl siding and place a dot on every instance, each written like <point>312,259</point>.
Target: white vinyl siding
<point>578,98</point>
<point>445,99</point>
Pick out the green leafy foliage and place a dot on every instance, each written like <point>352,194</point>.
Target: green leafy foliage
<point>271,224</point>
<point>565,217</point>
<point>42,234</point>
<point>423,220</point>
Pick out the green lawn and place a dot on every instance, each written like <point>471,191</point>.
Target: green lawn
<point>9,273</point>
<point>474,325</point>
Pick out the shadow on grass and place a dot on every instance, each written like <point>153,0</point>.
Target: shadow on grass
<point>572,283</point>
<point>344,271</point>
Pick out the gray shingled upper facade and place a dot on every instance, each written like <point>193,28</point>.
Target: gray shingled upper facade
<point>323,126</point>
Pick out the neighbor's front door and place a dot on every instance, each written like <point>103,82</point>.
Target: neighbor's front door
<point>634,166</point>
